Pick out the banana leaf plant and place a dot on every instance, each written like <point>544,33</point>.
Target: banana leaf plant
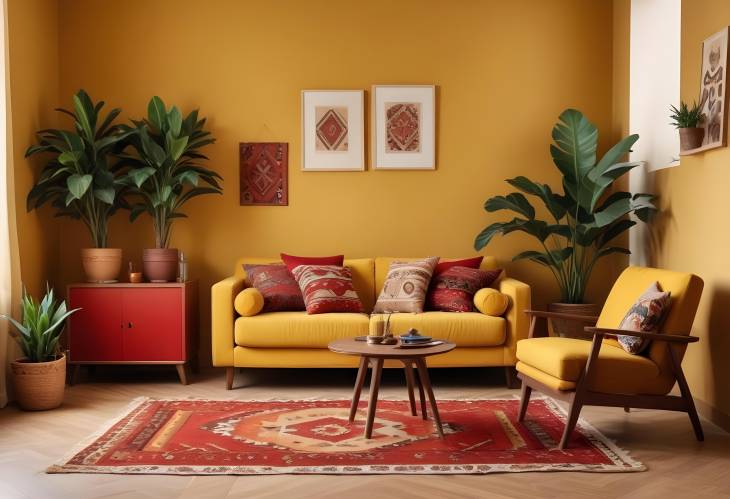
<point>81,179</point>
<point>166,165</point>
<point>40,327</point>
<point>584,220</point>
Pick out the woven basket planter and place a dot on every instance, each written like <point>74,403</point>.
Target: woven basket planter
<point>39,385</point>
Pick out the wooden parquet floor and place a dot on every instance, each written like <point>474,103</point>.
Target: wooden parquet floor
<point>679,467</point>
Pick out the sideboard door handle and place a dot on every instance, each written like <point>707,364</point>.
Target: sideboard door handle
<point>129,325</point>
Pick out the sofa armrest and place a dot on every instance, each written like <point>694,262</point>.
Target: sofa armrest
<point>518,323</point>
<point>222,318</point>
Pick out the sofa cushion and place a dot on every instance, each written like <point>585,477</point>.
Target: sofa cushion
<point>645,315</point>
<point>248,302</point>
<point>292,261</point>
<point>278,287</point>
<point>617,371</point>
<point>298,329</point>
<point>453,289</point>
<point>468,329</point>
<point>489,301</point>
<point>327,289</point>
<point>405,287</point>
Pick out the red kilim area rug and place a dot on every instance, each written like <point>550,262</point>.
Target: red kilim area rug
<point>209,437</point>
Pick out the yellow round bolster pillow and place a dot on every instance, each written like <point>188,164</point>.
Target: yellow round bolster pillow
<point>249,302</point>
<point>491,302</point>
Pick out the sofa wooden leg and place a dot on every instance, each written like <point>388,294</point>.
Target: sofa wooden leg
<point>573,413</point>
<point>627,409</point>
<point>524,401</point>
<point>510,375</point>
<point>230,371</point>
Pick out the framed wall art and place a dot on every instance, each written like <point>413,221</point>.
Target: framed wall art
<point>264,171</point>
<point>404,127</point>
<point>333,130</point>
<point>713,89</point>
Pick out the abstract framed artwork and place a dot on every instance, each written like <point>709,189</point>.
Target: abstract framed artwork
<point>333,130</point>
<point>713,93</point>
<point>264,171</point>
<point>404,127</point>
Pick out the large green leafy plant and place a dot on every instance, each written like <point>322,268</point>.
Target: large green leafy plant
<point>585,219</point>
<point>41,326</point>
<point>80,179</point>
<point>166,169</point>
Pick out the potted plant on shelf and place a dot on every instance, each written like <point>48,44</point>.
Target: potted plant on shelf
<point>166,172</point>
<point>81,182</point>
<point>39,377</point>
<point>687,120</point>
<point>584,220</point>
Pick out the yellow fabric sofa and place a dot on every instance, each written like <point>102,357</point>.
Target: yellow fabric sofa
<point>296,339</point>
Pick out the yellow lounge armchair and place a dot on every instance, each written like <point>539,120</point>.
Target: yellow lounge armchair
<point>601,372</point>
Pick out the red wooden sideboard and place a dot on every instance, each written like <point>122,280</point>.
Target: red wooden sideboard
<point>124,323</point>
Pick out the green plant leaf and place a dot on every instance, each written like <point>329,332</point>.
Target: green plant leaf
<point>139,175</point>
<point>515,202</point>
<point>486,235</point>
<point>174,120</point>
<point>70,157</point>
<point>105,195</point>
<point>614,230</point>
<point>83,118</point>
<point>177,147</point>
<point>542,191</point>
<point>534,256</point>
<point>78,185</point>
<point>136,211</point>
<point>156,112</point>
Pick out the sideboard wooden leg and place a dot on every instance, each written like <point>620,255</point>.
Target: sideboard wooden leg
<point>182,374</point>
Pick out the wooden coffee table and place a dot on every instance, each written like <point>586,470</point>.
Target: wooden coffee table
<point>374,356</point>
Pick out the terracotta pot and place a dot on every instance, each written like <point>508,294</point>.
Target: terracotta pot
<point>573,329</point>
<point>39,385</point>
<point>101,264</point>
<point>160,264</point>
<point>690,138</point>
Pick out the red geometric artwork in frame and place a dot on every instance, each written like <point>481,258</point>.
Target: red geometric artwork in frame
<point>264,169</point>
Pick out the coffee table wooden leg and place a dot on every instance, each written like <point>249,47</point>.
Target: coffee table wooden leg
<point>408,368</point>
<point>377,365</point>
<point>359,381</point>
<point>426,382</point>
<point>422,396</point>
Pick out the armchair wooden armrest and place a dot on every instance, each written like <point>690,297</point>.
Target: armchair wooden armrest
<point>670,338</point>
<point>539,314</point>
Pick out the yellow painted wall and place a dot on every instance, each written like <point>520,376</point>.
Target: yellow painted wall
<point>693,233</point>
<point>504,71</point>
<point>34,85</point>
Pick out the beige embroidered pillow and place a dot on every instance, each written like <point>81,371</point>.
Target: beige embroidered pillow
<point>645,315</point>
<point>405,286</point>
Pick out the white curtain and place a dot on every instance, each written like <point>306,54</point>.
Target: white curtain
<point>9,263</point>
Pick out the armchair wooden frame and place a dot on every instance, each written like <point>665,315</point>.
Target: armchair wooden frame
<point>582,396</point>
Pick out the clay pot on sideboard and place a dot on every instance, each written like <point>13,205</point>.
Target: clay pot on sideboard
<point>101,264</point>
<point>690,138</point>
<point>160,264</point>
<point>39,385</point>
<point>573,329</point>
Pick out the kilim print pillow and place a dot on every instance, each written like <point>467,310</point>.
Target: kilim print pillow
<point>405,286</point>
<point>327,288</point>
<point>278,287</point>
<point>453,289</point>
<point>646,315</point>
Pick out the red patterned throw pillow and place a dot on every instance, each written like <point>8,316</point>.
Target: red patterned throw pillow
<point>327,288</point>
<point>472,263</point>
<point>292,261</point>
<point>453,290</point>
<point>645,315</point>
<point>279,289</point>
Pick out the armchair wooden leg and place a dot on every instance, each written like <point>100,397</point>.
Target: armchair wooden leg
<point>573,413</point>
<point>686,395</point>
<point>627,409</point>
<point>230,371</point>
<point>524,400</point>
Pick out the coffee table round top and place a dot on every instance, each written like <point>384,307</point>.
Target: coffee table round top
<point>350,346</point>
